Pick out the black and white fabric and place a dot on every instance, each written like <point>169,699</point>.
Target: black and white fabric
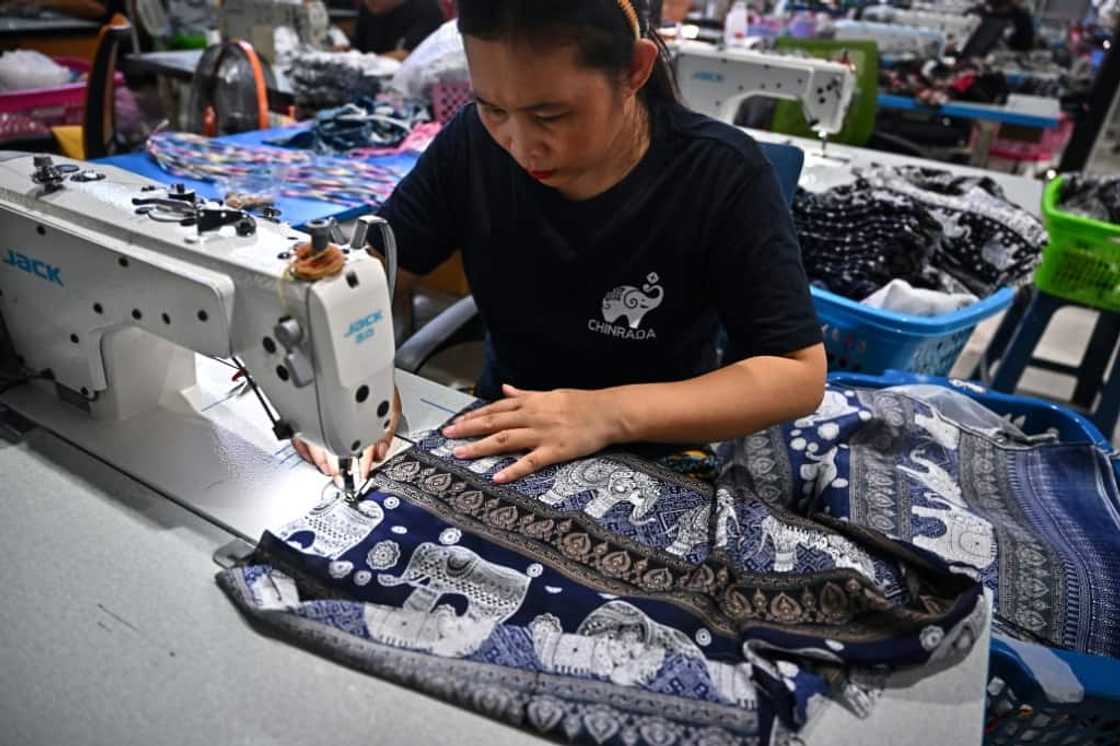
<point>1096,197</point>
<point>934,229</point>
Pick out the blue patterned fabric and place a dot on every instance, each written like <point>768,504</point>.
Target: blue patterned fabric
<point>1039,524</point>
<point>607,600</point>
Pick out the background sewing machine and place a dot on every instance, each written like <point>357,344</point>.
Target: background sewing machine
<point>256,22</point>
<point>955,27</point>
<point>894,38</point>
<point>109,286</point>
<point>716,81</point>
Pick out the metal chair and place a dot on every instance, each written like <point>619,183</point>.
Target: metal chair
<point>96,137</point>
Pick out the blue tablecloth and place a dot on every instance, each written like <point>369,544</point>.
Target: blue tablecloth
<point>296,211</point>
<point>1003,114</point>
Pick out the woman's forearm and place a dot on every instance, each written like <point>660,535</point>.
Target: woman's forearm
<point>739,399</point>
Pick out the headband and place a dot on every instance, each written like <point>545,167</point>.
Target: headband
<point>627,7</point>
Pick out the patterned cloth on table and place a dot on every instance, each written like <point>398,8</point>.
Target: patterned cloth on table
<point>365,123</point>
<point>934,83</point>
<point>932,228</point>
<point>606,600</point>
<point>1037,522</point>
<point>1091,196</point>
<point>322,80</point>
<point>297,174</point>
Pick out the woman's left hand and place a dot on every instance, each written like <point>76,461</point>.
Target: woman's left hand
<point>551,426</point>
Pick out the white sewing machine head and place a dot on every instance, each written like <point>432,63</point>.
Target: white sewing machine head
<point>715,81</point>
<point>109,281</point>
<point>955,27</point>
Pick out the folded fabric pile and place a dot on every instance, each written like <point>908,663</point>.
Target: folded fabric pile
<point>608,600</point>
<point>931,228</point>
<point>1043,72</point>
<point>1090,196</point>
<point>933,82</point>
<point>298,174</point>
<point>383,123</point>
<point>327,79</point>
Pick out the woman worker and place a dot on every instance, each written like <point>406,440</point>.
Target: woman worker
<point>607,232</point>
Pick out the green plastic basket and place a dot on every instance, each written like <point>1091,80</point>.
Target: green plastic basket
<point>1082,261</point>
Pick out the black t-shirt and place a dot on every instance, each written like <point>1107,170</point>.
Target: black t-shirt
<point>404,27</point>
<point>629,286</point>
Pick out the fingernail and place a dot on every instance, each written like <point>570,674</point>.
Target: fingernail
<point>500,478</point>
<point>449,431</point>
<point>460,452</point>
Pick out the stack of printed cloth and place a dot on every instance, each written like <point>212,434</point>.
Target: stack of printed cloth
<point>932,229</point>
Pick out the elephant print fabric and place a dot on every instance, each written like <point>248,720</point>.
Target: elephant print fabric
<point>1038,524</point>
<point>610,600</point>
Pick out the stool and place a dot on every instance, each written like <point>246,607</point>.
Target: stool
<point>1017,337</point>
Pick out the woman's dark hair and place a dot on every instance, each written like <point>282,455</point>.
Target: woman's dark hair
<point>599,29</point>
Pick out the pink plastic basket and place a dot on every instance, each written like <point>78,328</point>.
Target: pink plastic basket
<point>35,110</point>
<point>448,98</point>
<point>1048,147</point>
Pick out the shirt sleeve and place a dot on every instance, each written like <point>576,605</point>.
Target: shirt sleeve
<point>421,210</point>
<point>762,292</point>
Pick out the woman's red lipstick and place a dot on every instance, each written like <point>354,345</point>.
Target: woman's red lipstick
<point>542,175</point>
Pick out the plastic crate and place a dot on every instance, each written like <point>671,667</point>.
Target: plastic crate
<point>1082,261</point>
<point>862,339</point>
<point>448,98</point>
<point>1018,710</point>
<point>1049,145</point>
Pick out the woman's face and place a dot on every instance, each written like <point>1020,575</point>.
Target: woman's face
<point>558,119</point>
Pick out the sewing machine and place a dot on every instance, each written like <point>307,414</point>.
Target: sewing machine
<point>256,21</point>
<point>716,81</point>
<point>893,38</point>
<point>109,285</point>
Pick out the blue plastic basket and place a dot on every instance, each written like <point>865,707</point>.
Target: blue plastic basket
<point>1018,710</point>
<point>862,339</point>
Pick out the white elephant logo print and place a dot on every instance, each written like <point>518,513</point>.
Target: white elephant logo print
<point>622,644</point>
<point>493,592</point>
<point>788,538</point>
<point>634,304</point>
<point>968,538</point>
<point>693,528</point>
<point>611,484</point>
<point>336,526</point>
